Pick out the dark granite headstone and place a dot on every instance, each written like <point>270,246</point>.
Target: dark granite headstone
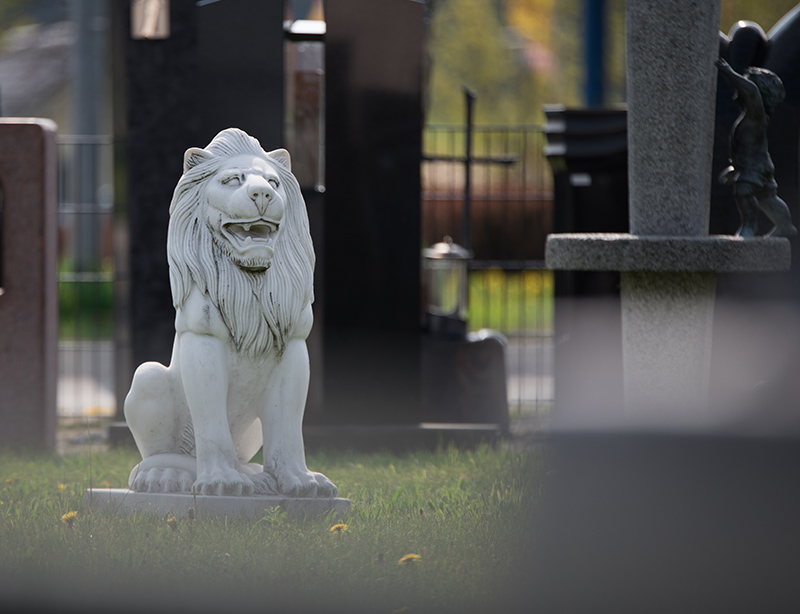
<point>28,282</point>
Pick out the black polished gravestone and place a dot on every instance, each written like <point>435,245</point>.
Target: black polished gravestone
<point>371,293</point>
<point>220,65</point>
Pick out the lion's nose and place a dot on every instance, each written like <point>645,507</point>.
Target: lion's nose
<point>261,192</point>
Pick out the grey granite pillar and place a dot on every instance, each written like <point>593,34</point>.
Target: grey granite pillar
<point>672,80</point>
<point>667,317</point>
<point>666,343</point>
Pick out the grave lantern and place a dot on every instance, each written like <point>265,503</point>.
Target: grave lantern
<point>445,279</point>
<point>463,374</point>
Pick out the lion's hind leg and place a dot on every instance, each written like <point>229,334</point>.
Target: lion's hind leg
<point>153,412</point>
<point>161,427</point>
<point>164,473</point>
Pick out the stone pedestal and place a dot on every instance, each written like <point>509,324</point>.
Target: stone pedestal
<point>122,500</point>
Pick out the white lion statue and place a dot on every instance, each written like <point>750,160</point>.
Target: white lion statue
<point>241,265</point>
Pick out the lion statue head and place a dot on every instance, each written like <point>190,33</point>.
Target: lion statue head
<point>238,231</point>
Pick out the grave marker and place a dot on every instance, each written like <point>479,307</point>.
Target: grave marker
<point>29,297</point>
<point>668,261</point>
<point>661,507</point>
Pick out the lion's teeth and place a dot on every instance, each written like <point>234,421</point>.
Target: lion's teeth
<point>248,240</point>
<point>246,227</point>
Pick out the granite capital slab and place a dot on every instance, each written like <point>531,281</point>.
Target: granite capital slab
<point>691,254</point>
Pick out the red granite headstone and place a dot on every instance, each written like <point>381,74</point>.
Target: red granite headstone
<point>29,288</point>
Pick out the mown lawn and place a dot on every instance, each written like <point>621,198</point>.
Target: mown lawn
<point>468,516</point>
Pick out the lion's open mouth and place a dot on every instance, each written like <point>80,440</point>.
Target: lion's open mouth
<point>244,234</point>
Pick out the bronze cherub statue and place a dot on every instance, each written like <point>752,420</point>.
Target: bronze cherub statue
<point>751,170</point>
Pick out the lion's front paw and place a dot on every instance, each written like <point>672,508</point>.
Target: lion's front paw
<point>220,481</point>
<point>325,488</point>
<point>265,484</point>
<point>304,484</point>
<point>158,479</point>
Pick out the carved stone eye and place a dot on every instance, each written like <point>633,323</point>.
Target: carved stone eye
<point>273,182</point>
<point>232,180</point>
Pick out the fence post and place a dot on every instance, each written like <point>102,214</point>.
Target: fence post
<point>466,228</point>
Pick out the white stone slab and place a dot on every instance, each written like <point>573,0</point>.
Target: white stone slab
<point>125,501</point>
<point>629,252</point>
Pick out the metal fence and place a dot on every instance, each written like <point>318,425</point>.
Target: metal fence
<point>85,276</point>
<point>510,207</point>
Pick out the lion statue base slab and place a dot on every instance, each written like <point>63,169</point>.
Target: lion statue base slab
<point>241,265</point>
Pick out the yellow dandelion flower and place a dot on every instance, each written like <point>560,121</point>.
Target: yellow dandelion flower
<point>62,487</point>
<point>105,484</point>
<point>69,518</point>
<point>409,559</point>
<point>339,528</point>
<point>172,522</point>
<point>10,481</point>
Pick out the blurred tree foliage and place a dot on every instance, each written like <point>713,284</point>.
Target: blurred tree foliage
<point>470,48</point>
<point>765,13</point>
<point>517,55</point>
<point>13,13</point>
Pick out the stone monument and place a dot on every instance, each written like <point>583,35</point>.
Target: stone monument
<point>241,266</point>
<point>28,282</point>
<point>668,261</point>
<point>663,506</point>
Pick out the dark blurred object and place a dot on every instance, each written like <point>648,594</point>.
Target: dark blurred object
<point>588,151</point>
<point>668,523</point>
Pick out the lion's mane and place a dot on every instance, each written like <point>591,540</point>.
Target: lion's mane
<point>259,309</point>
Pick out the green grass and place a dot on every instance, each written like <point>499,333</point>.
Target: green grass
<point>519,302</point>
<point>467,514</point>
